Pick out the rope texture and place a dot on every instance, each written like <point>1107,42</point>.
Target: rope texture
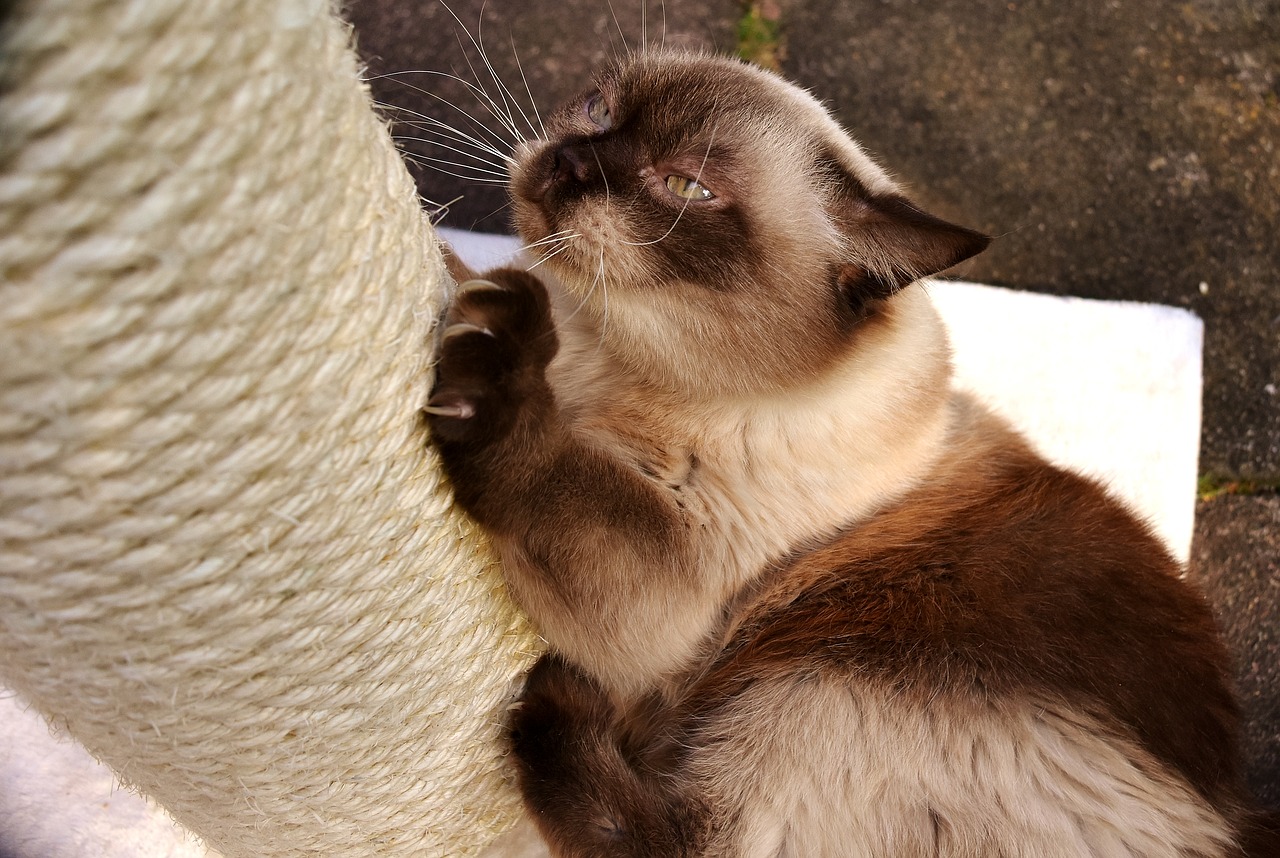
<point>228,565</point>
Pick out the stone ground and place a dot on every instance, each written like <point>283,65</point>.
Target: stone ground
<point>1119,150</point>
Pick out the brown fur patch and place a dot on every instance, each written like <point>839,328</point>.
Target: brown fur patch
<point>1008,576</point>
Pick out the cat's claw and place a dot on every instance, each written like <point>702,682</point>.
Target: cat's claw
<point>497,338</point>
<point>480,285</point>
<point>457,410</point>
<point>457,329</point>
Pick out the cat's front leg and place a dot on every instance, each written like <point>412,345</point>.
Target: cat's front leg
<point>592,790</point>
<point>598,554</point>
<point>491,409</point>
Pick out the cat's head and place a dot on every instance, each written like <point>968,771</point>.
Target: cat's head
<point>732,231</point>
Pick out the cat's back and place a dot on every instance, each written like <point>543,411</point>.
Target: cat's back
<point>1005,645</point>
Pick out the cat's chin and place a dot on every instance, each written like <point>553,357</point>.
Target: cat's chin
<point>537,228</point>
<point>532,222</point>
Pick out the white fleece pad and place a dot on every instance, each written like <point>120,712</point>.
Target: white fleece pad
<point>1112,389</point>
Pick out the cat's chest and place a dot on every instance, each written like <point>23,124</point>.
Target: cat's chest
<point>755,477</point>
<point>750,483</point>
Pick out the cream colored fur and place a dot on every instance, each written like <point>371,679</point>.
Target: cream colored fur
<point>902,776</point>
<point>774,471</point>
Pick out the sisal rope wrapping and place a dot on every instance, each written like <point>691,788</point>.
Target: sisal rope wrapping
<point>228,565</point>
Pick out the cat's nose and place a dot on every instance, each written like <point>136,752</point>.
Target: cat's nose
<point>575,163</point>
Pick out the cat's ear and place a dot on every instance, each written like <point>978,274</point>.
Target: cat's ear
<point>891,243</point>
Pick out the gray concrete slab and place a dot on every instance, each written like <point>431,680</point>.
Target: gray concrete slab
<point>1118,149</point>
<point>1236,559</point>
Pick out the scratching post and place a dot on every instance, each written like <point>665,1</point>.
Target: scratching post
<point>229,566</point>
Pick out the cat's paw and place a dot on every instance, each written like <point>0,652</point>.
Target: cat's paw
<point>497,341</point>
<point>558,701</point>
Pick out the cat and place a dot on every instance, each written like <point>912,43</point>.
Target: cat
<point>802,597</point>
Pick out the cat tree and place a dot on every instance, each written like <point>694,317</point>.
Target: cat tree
<point>229,566</point>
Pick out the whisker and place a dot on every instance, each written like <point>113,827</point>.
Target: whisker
<point>557,241</point>
<point>505,117</point>
<point>478,170</point>
<point>625,47</point>
<point>480,180</point>
<point>432,125</point>
<point>485,99</point>
<point>481,95</point>
<point>603,177</point>
<point>533,102</point>
<point>478,139</point>
<point>556,233</point>
<point>461,153</point>
<point>604,292</point>
<point>560,238</point>
<point>562,235</point>
<point>705,155</point>
<point>505,205</point>
<point>503,92</point>
<point>544,257</point>
<point>442,137</point>
<point>499,113</point>
<point>586,299</point>
<point>502,87</point>
<point>437,212</point>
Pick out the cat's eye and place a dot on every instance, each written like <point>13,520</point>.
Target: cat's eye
<point>598,112</point>
<point>688,189</point>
